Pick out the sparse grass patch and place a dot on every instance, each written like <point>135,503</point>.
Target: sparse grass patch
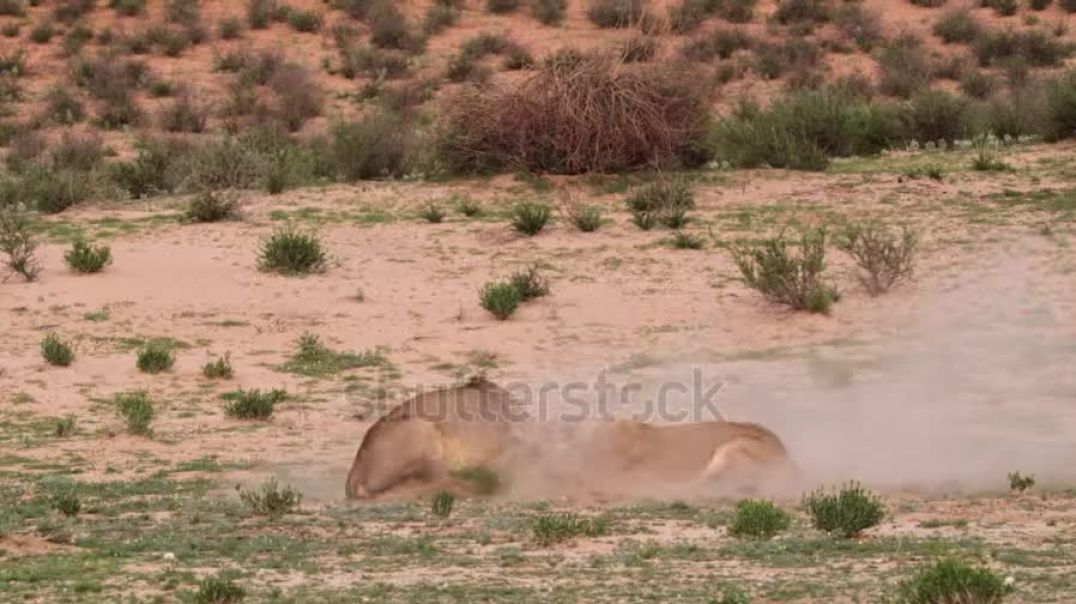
<point>87,258</point>
<point>530,283</point>
<point>844,513</point>
<point>785,278</point>
<point>468,207</point>
<point>1019,483</point>
<point>953,582</point>
<point>291,252</point>
<point>253,404</point>
<point>501,299</point>
<point>550,529</point>
<point>758,518</point>
<point>155,357</point>
<point>883,257</point>
<point>136,409</point>
<point>530,217</point>
<point>665,202</point>
<point>56,351</point>
<point>314,359</point>
<point>64,426</point>
<point>66,501</point>
<point>220,369</point>
<point>987,149</point>
<point>686,241</point>
<point>442,504</point>
<point>271,500</point>
<point>213,206</point>
<point>432,213</point>
<point>219,590</point>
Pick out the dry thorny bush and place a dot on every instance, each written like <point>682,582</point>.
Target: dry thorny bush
<point>885,257</point>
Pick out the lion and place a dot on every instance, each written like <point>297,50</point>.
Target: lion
<point>424,442</point>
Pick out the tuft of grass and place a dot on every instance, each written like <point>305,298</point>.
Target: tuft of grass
<point>65,426</point>
<point>530,283</point>
<point>66,501</point>
<point>155,357</point>
<point>501,299</point>
<point>219,590</point>
<point>883,257</point>
<point>758,518</point>
<point>253,404</point>
<point>136,409</point>
<point>291,252</point>
<point>86,258</point>
<point>586,218</point>
<point>314,359</point>
<point>213,206</point>
<point>987,149</point>
<point>686,241</point>
<point>220,369</point>
<point>530,217</point>
<point>271,500</point>
<point>953,582</point>
<point>1019,483</point>
<point>56,351</point>
<point>844,513</point>
<point>17,241</point>
<point>664,202</point>
<point>468,207</point>
<point>442,503</point>
<point>785,278</point>
<point>432,213</point>
<point>550,529</point>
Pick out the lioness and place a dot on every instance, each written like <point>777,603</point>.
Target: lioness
<point>427,438</point>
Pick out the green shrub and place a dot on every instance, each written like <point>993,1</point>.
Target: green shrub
<point>442,504</point>
<point>17,241</point>
<point>128,8</point>
<point>1039,5</point>
<point>549,12</point>
<point>987,147</point>
<point>432,213</point>
<point>53,191</point>
<point>468,207</point>
<point>737,11</point>
<point>1033,46</point>
<point>551,529</point>
<point>802,11</point>
<point>260,13</point>
<point>758,518</point>
<point>230,28</point>
<point>439,17</point>
<point>780,276</point>
<point>67,502</point>
<point>304,21</point>
<point>12,8</point>
<point>501,7</point>
<point>389,28</point>
<point>213,206</point>
<point>686,241</point>
<point>314,359</point>
<point>884,258</point>
<point>530,283</point>
<point>953,582</point>
<point>378,146</point>
<point>957,26</point>
<point>220,369</point>
<point>253,404</point>
<point>1061,107</point>
<point>1005,8</point>
<point>732,595</point>
<point>61,107</point>
<point>183,114</point>
<point>155,357</point>
<point>291,252</point>
<point>271,500</point>
<point>42,33</point>
<point>64,426</point>
<point>530,217</point>
<point>616,13</point>
<point>845,513</point>
<point>56,351</point>
<point>86,258</point>
<point>906,70</point>
<point>500,299</point>
<point>665,202</point>
<point>586,218</point>
<point>1019,483</point>
<point>152,171</point>
<point>936,115</point>
<point>136,409</point>
<point>219,590</point>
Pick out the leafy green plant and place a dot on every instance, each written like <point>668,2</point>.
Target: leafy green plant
<point>56,351</point>
<point>291,252</point>
<point>219,590</point>
<point>220,369</point>
<point>785,278</point>
<point>530,217</point>
<point>314,359</point>
<point>758,518</point>
<point>665,202</point>
<point>442,504</point>
<point>844,513</point>
<point>253,404</point>
<point>953,582</point>
<point>17,241</point>
<point>155,357</point>
<point>501,299</point>
<point>87,258</point>
<point>884,258</point>
<point>137,409</point>
<point>530,283</point>
<point>550,529</point>
<point>1019,483</point>
<point>271,500</point>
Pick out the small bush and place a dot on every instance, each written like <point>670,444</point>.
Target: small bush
<point>549,12</point>
<point>861,26</point>
<point>846,513</point>
<point>291,252</point>
<point>389,28</point>
<point>314,359</point>
<point>136,409</point>
<point>500,299</point>
<point>1005,8</point>
<point>530,283</point>
<point>616,13</point>
<point>586,218</point>
<point>253,404</point>
<point>905,68</point>
<point>230,28</point>
<point>1039,5</point>
<point>152,171</point>
<point>758,518</point>
<point>953,582</point>
<point>884,258</point>
<point>81,153</point>
<point>213,206</point>
<point>737,11</point>
<point>220,369</point>
<point>530,217</point>
<point>42,33</point>
<point>502,7</point>
<point>1033,46</point>
<point>155,357</point>
<point>442,504</point>
<point>184,114</point>
<point>780,276</point>
<point>686,241</point>
<point>86,258</point>
<point>1061,107</point>
<point>12,8</point>
<point>67,502</point>
<point>432,213</point>
<point>551,529</point>
<point>61,107</point>
<point>56,351</point>
<point>1019,483</point>
<point>936,115</point>
<point>468,207</point>
<point>260,13</point>
<point>271,500</point>
<point>53,191</point>
<point>439,17</point>
<point>986,159</point>
<point>663,202</point>
<point>17,241</point>
<point>305,21</point>
<point>378,146</point>
<point>219,590</point>
<point>802,11</point>
<point>64,427</point>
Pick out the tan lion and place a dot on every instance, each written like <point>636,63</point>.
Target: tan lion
<point>423,442</point>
